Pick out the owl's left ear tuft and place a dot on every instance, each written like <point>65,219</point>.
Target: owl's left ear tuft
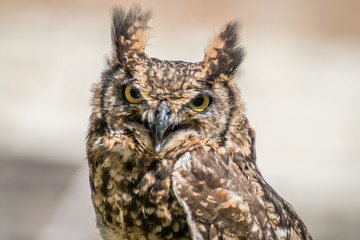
<point>129,32</point>
<point>224,53</point>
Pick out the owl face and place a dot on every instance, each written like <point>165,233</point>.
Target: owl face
<point>166,99</point>
<point>160,102</point>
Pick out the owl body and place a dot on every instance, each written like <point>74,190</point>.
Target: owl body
<point>171,154</point>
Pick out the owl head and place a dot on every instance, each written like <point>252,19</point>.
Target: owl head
<point>157,103</point>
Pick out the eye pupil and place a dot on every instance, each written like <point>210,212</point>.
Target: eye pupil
<point>135,93</point>
<point>198,101</point>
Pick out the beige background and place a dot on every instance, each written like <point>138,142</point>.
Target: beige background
<point>300,82</point>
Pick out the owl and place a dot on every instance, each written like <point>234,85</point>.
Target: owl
<point>171,154</point>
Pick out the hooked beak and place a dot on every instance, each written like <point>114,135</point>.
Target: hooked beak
<point>162,121</point>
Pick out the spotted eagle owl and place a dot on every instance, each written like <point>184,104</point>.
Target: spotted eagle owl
<point>170,152</point>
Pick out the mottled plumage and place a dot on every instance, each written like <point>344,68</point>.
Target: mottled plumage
<point>170,152</point>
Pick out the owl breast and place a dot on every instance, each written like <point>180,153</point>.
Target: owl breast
<point>133,200</point>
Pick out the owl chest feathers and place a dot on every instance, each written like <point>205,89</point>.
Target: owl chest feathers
<point>132,199</point>
<point>132,193</point>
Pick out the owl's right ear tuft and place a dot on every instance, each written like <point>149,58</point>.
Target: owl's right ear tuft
<point>129,32</point>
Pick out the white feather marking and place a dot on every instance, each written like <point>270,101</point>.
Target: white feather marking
<point>183,161</point>
<point>281,232</point>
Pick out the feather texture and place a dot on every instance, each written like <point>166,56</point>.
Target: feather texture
<point>171,154</point>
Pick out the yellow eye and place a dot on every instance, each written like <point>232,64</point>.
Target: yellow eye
<point>132,95</point>
<point>200,103</point>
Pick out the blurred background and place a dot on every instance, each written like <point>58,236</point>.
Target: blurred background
<point>300,82</point>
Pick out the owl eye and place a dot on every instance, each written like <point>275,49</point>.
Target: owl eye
<point>200,103</point>
<point>132,95</point>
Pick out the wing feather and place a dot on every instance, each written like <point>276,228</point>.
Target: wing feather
<point>222,200</point>
<point>176,178</point>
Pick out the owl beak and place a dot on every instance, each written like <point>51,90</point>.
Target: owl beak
<point>162,121</point>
